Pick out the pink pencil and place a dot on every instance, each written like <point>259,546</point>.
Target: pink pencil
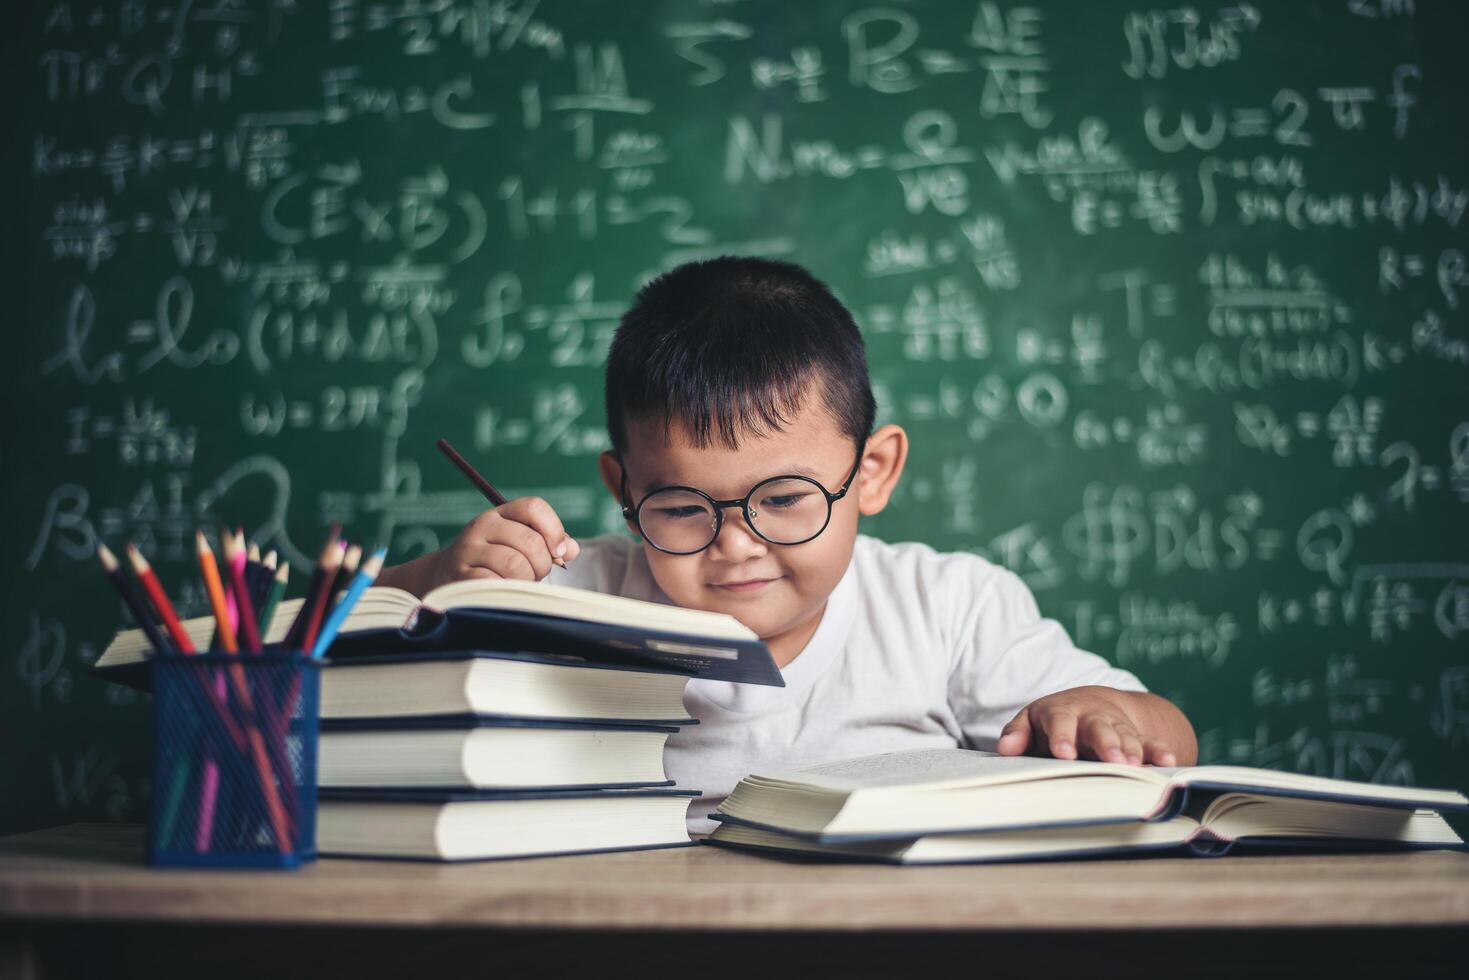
<point>208,793</point>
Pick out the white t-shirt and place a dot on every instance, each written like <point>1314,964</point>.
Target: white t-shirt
<point>916,649</point>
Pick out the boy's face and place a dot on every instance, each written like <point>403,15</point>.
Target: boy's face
<point>779,591</point>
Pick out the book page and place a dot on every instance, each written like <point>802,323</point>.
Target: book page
<point>932,768</point>
<point>584,604</point>
<point>1246,777</point>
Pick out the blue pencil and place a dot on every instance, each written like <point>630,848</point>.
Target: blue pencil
<point>360,582</point>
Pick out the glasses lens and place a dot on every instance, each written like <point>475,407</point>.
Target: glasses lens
<point>789,510</point>
<point>677,521</point>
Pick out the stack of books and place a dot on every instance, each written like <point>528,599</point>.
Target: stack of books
<point>939,806</point>
<point>499,718</point>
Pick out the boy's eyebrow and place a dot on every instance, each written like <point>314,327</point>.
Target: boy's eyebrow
<point>795,469</point>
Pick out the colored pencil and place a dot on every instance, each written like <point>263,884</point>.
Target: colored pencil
<point>273,598</point>
<point>351,558</point>
<point>360,582</point>
<point>318,573</point>
<point>131,598</point>
<point>181,640</point>
<point>249,625</point>
<point>495,497</point>
<point>255,576</point>
<point>146,575</point>
<point>208,794</point>
<point>264,583</point>
<point>214,588</point>
<point>175,798</point>
<point>322,600</point>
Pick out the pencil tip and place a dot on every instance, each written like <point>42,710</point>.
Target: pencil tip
<point>108,559</point>
<point>136,557</point>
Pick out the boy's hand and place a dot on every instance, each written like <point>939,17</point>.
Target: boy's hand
<point>518,539</point>
<point>1098,723</point>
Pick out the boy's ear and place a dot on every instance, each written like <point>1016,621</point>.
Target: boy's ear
<point>611,469</point>
<point>882,465</point>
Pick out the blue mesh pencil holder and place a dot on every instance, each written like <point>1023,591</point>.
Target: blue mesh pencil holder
<point>234,760</point>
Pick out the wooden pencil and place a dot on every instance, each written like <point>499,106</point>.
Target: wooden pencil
<point>154,588</point>
<point>322,599</point>
<point>134,602</point>
<point>273,597</point>
<point>318,575</point>
<point>249,626</point>
<point>495,497</point>
<point>180,636</point>
<point>214,588</point>
<point>351,558</point>
<point>360,582</point>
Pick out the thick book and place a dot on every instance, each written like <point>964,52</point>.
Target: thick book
<point>924,792</point>
<point>453,826</point>
<point>508,614</point>
<point>531,686</point>
<point>489,753</point>
<point>1228,823</point>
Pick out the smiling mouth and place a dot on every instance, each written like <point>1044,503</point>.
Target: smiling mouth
<point>748,585</point>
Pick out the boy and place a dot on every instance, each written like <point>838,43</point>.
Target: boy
<point>741,417</point>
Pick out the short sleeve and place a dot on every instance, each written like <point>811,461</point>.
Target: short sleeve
<point>1009,655</point>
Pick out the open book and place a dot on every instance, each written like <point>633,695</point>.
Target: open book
<point>1226,822</point>
<point>925,792</point>
<point>509,614</point>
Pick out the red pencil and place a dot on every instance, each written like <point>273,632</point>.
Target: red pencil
<point>160,599</point>
<point>330,563</point>
<point>318,575</point>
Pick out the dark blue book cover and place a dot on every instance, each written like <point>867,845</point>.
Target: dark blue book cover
<point>463,722</point>
<point>397,795</point>
<point>548,639</point>
<point>738,661</point>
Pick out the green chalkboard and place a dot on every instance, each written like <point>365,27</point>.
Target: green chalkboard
<point>1170,300</point>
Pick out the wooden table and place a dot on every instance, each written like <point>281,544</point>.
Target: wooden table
<point>77,901</point>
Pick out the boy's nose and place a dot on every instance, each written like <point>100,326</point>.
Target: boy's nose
<point>736,541</point>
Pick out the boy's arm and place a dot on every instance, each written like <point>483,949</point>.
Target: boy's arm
<point>1102,723</point>
<point>1010,654</point>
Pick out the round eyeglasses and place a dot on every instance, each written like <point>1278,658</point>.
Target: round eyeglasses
<point>782,510</point>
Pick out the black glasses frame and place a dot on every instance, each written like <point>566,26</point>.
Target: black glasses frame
<point>631,513</point>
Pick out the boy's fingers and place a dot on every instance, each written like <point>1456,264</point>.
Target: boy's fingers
<point>572,549</point>
<point>1158,754</point>
<point>1059,726</point>
<point>525,540</point>
<point>1015,736</point>
<point>1132,746</point>
<point>539,515</point>
<point>506,562</point>
<point>1102,739</point>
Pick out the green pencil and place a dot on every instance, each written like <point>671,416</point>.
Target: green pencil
<point>277,589</point>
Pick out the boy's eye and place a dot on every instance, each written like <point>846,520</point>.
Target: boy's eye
<point>784,500</point>
<point>681,513</point>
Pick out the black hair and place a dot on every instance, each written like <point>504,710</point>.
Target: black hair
<point>729,346</point>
